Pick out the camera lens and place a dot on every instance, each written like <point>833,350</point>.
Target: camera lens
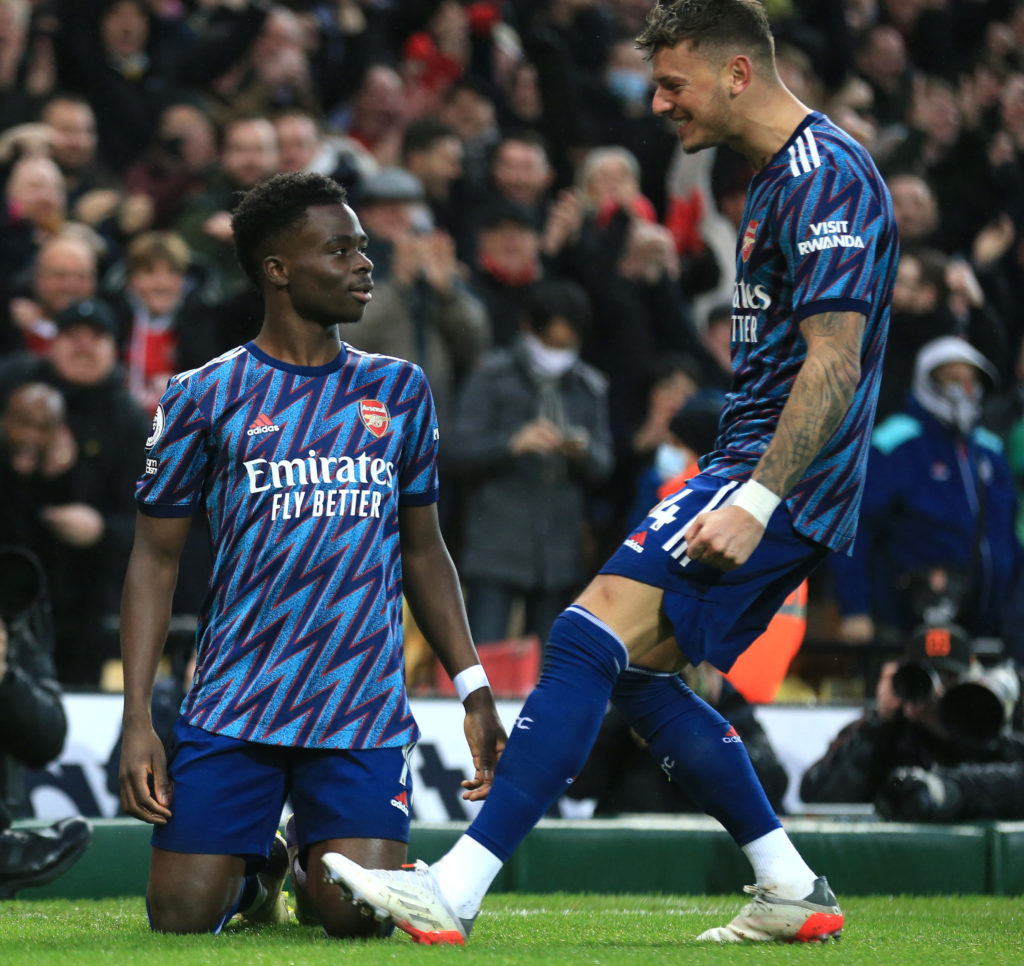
<point>972,710</point>
<point>914,682</point>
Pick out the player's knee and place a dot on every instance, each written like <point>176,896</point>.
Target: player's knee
<point>176,912</point>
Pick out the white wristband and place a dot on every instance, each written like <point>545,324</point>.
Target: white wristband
<point>757,500</point>
<point>470,680</point>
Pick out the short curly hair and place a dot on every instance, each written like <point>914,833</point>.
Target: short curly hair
<point>274,207</point>
<point>716,24</point>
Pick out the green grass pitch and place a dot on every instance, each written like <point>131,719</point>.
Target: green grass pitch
<point>523,930</point>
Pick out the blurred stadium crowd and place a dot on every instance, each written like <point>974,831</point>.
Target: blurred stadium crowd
<point>562,272</point>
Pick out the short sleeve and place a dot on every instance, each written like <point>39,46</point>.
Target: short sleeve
<point>832,228</point>
<point>417,475</point>
<point>172,481</point>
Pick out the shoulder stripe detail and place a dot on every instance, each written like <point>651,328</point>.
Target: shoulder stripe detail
<point>803,155</point>
<point>812,146</point>
<point>230,354</point>
<point>376,355</point>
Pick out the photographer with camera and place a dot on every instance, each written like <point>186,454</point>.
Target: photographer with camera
<point>32,728</point>
<point>937,746</point>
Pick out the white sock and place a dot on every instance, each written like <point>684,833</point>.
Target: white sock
<point>465,873</point>
<point>778,866</point>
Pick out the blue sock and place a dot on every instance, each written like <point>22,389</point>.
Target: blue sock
<point>555,730</point>
<point>697,748</point>
<point>246,897</point>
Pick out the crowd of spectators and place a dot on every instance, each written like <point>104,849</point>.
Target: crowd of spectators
<point>543,248</point>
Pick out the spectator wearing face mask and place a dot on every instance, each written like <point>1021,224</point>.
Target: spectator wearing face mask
<point>615,110</point>
<point>934,295</point>
<point>936,526</point>
<point>531,439</point>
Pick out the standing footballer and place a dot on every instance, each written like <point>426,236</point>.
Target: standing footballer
<point>315,466</point>
<point>711,564</point>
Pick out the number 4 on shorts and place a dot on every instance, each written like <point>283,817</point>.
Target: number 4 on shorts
<point>665,512</point>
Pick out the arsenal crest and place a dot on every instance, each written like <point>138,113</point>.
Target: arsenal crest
<point>749,236</point>
<point>375,416</point>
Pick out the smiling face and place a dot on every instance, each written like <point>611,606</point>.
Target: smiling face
<point>323,267</point>
<point>693,92</point>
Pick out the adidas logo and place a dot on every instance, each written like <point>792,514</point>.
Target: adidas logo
<point>732,737</point>
<point>262,424</point>
<point>636,542</point>
<point>401,802</point>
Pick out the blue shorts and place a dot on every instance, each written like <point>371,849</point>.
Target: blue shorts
<point>715,614</point>
<point>229,794</point>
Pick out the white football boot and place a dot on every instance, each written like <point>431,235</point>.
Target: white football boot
<point>409,895</point>
<point>770,918</point>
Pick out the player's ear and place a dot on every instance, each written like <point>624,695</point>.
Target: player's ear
<point>740,74</point>
<point>274,271</point>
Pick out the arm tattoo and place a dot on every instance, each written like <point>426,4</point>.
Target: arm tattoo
<point>821,396</point>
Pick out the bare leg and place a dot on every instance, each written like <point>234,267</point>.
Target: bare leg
<point>633,611</point>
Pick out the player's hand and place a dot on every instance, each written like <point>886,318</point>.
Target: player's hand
<point>145,788</point>
<point>723,539</point>
<point>486,737</point>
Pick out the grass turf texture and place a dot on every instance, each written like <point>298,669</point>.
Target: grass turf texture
<point>530,929</point>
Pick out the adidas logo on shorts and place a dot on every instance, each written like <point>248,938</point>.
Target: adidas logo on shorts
<point>636,542</point>
<point>401,802</point>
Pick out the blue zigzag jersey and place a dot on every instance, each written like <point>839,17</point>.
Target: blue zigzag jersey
<point>301,471</point>
<point>818,235</point>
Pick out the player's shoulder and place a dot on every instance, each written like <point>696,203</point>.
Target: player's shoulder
<point>377,361</point>
<point>214,368</point>
<point>820,146</point>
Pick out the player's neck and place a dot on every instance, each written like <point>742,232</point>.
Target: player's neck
<point>310,346</point>
<point>769,123</point>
